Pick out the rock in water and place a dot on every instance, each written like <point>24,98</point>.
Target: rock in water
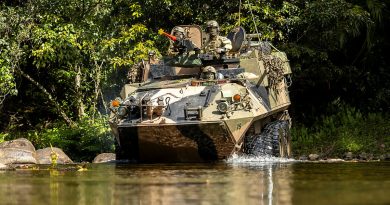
<point>43,156</point>
<point>3,167</point>
<point>104,157</point>
<point>348,156</point>
<point>303,158</point>
<point>18,151</point>
<point>313,157</point>
<point>366,156</point>
<point>20,143</point>
<point>385,157</point>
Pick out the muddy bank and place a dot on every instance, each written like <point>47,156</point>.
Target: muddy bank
<point>21,152</point>
<point>347,157</point>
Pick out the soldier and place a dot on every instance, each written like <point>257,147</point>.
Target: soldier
<point>179,32</point>
<point>181,44</point>
<point>183,51</point>
<point>208,73</point>
<point>215,43</point>
<point>178,47</point>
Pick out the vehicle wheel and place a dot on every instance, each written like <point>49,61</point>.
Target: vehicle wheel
<point>274,140</point>
<point>288,144</point>
<point>281,138</point>
<point>258,145</point>
<point>280,145</point>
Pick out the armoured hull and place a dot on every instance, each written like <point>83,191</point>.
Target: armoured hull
<point>188,131</point>
<point>196,107</point>
<point>186,142</point>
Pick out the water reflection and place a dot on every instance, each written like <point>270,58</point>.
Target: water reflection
<point>150,184</point>
<point>238,181</point>
<point>271,186</point>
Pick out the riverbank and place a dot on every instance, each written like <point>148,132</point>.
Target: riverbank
<point>347,134</point>
<point>21,153</point>
<point>82,143</point>
<point>348,157</point>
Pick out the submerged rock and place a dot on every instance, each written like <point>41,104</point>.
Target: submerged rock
<point>313,157</point>
<point>104,158</point>
<point>43,156</point>
<point>18,151</point>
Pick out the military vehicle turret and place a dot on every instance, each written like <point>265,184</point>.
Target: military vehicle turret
<point>195,106</point>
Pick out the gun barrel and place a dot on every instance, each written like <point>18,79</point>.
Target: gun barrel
<point>253,43</point>
<point>173,38</point>
<point>253,35</point>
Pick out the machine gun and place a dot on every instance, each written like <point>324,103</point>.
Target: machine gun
<point>182,45</point>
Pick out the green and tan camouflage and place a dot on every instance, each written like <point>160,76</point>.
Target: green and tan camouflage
<point>236,103</point>
<point>213,42</point>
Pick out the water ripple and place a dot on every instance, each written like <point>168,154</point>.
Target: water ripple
<point>243,159</point>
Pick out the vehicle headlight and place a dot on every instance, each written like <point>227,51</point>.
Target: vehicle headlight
<point>222,107</point>
<point>115,103</point>
<point>122,111</point>
<point>237,98</point>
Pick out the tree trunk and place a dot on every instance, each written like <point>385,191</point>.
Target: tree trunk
<point>79,94</point>
<point>97,78</point>
<point>50,97</point>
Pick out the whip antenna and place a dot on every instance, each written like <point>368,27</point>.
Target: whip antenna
<point>239,14</point>
<point>253,19</point>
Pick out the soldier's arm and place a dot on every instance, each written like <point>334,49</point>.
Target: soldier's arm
<point>227,44</point>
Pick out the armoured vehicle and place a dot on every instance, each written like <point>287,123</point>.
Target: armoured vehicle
<point>193,106</point>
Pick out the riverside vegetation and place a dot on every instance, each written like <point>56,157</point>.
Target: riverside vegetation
<point>61,60</point>
<point>346,130</point>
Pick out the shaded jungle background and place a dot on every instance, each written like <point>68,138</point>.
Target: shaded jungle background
<point>61,61</point>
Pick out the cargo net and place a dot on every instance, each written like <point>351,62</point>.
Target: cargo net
<point>265,48</point>
<point>274,67</point>
<point>135,73</point>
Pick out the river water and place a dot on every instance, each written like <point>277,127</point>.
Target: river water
<point>236,181</point>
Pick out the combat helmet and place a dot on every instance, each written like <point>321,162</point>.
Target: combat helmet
<point>208,69</point>
<point>178,29</point>
<point>209,73</point>
<point>212,27</point>
<point>212,23</point>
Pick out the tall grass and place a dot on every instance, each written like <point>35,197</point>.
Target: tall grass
<point>346,130</point>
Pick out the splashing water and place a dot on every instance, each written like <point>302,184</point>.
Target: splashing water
<point>243,159</point>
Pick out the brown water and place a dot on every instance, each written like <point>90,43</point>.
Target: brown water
<point>233,182</point>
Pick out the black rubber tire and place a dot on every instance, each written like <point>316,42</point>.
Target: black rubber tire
<point>272,141</point>
<point>279,131</point>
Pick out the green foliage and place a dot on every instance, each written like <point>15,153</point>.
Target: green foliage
<point>334,21</point>
<point>7,82</point>
<point>11,36</point>
<point>334,49</point>
<point>3,137</point>
<point>81,143</point>
<point>347,130</point>
<point>273,20</point>
<point>128,46</point>
<point>75,49</point>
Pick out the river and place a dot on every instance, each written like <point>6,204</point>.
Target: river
<point>236,181</point>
